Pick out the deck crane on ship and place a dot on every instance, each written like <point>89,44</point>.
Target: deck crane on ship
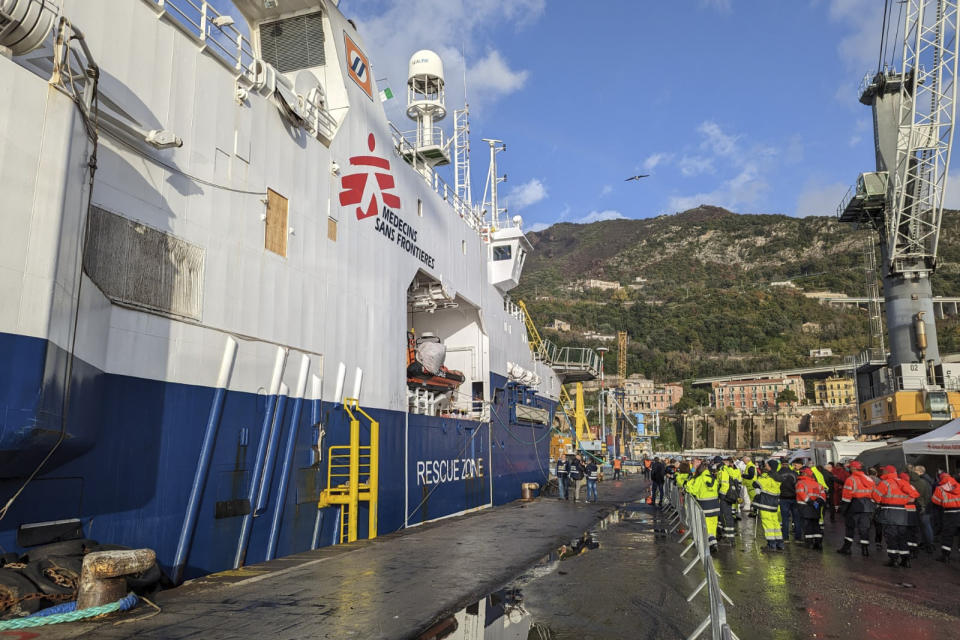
<point>914,107</point>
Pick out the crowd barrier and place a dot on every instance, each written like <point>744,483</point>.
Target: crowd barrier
<point>686,513</point>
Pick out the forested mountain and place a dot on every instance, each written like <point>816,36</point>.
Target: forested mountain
<point>708,291</point>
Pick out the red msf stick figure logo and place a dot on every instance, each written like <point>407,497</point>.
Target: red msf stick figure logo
<point>357,186</point>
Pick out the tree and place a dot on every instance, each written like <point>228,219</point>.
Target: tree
<point>787,396</point>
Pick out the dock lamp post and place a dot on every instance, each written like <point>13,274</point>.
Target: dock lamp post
<point>603,408</point>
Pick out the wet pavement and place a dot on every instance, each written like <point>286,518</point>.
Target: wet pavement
<point>632,586</point>
<point>801,593</point>
<point>557,570</point>
<point>396,586</point>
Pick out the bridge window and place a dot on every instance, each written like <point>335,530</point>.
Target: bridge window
<point>502,252</point>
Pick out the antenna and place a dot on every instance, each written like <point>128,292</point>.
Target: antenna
<point>492,205</point>
<point>461,149</point>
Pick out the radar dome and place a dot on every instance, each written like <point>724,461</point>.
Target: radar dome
<point>425,63</point>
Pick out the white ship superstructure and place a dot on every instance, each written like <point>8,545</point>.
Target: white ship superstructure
<point>210,242</point>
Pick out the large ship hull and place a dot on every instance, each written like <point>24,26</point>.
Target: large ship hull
<point>128,397</point>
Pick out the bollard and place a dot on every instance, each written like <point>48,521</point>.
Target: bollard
<point>102,578</point>
<point>527,489</point>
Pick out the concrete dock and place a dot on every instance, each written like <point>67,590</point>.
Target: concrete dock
<point>629,584</point>
<point>395,586</point>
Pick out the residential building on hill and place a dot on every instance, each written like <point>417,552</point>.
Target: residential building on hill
<point>641,395</point>
<point>754,395</point>
<point>603,285</point>
<point>800,439</point>
<point>559,325</point>
<point>835,392</point>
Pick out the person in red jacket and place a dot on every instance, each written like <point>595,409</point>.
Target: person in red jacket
<point>912,534</point>
<point>812,497</point>
<point>892,495</point>
<point>840,476</point>
<point>946,499</point>
<point>857,507</point>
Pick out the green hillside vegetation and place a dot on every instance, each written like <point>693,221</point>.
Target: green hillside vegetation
<point>699,297</point>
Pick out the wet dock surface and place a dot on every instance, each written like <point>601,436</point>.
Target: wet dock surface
<point>625,582</point>
<point>632,586</point>
<point>396,586</point>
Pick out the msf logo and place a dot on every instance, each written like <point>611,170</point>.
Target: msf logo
<point>360,190</point>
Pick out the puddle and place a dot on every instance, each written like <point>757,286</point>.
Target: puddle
<point>502,615</point>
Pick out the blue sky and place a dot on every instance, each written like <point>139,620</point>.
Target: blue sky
<point>747,104</point>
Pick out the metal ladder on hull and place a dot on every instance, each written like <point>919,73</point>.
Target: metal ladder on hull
<point>353,475</point>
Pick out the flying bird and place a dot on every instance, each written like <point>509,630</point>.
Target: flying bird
<point>646,175</point>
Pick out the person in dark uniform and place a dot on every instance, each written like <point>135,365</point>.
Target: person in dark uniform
<point>593,475</point>
<point>563,472</point>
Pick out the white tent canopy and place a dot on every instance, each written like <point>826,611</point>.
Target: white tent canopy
<point>943,441</point>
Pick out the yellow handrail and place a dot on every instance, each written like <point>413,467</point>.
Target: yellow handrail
<point>349,494</point>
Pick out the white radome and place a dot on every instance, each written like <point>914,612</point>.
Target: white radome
<point>425,63</point>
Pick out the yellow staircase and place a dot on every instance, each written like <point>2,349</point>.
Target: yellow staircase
<point>574,413</point>
<point>353,475</point>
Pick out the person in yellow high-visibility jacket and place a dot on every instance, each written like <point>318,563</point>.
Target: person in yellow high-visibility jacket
<point>768,506</point>
<point>729,477</point>
<point>682,475</point>
<point>705,487</point>
<point>750,475</point>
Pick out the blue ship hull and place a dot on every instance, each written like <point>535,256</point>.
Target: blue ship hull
<point>130,451</point>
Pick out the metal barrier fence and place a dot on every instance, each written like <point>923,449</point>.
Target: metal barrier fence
<point>688,514</point>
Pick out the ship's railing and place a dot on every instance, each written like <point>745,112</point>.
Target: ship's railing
<point>472,216</point>
<point>512,308</point>
<point>684,511</point>
<point>436,136</point>
<point>212,28</point>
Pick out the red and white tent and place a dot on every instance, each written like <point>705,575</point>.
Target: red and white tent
<point>942,441</point>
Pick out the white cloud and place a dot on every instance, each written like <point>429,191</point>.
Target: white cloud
<point>457,30</point>
<point>523,195</point>
<point>818,199</point>
<point>695,165</point>
<point>655,159</point>
<point>861,47</point>
<point>723,153</point>
<point>716,141</point>
<point>539,226</point>
<point>599,216</point>
<point>607,190</point>
<point>744,189</point>
<point>492,75</point>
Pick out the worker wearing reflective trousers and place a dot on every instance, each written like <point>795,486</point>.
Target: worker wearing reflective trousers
<point>812,497</point>
<point>892,495</point>
<point>729,492</point>
<point>767,502</point>
<point>857,508</point>
<point>946,503</point>
<point>748,477</point>
<point>705,487</point>
<point>912,534</point>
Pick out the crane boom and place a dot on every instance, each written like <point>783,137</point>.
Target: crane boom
<point>914,109</point>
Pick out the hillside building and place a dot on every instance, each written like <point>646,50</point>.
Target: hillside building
<point>603,285</point>
<point>559,325</point>
<point>835,392</point>
<point>600,337</point>
<point>821,353</point>
<point>800,439</point>
<point>641,395</point>
<point>754,395</point>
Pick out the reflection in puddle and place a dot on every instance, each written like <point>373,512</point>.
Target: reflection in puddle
<point>501,615</point>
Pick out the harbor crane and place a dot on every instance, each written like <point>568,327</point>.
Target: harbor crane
<point>913,99</point>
